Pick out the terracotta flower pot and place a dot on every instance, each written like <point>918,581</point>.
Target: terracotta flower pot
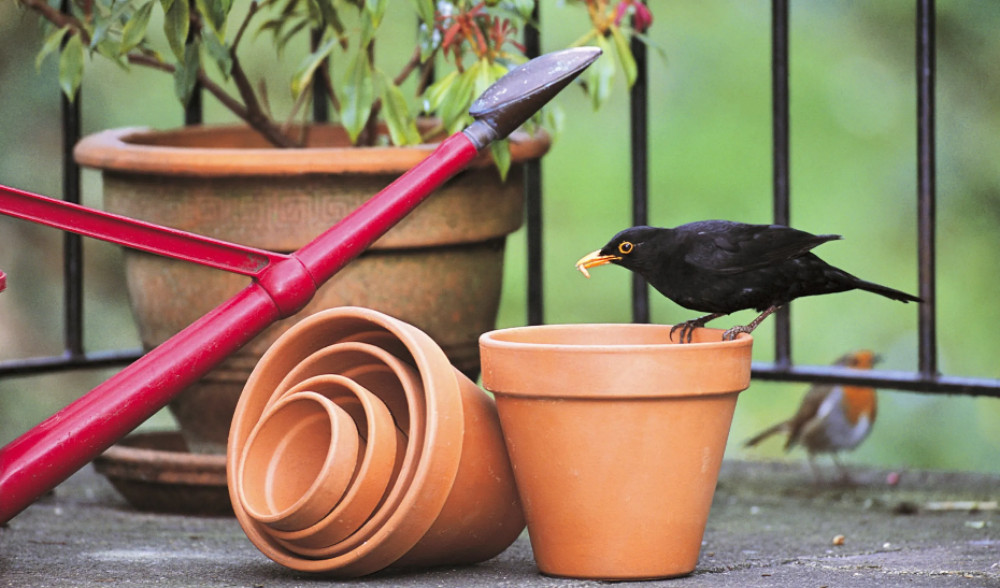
<point>298,460</point>
<point>451,498</point>
<point>616,436</point>
<point>439,269</point>
<point>378,468</point>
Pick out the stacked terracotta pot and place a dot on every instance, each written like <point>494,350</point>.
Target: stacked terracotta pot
<point>356,446</point>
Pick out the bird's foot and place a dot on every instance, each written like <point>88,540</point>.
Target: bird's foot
<point>687,328</point>
<point>730,334</point>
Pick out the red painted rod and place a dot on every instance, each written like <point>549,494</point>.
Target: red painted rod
<point>54,449</point>
<point>135,233</point>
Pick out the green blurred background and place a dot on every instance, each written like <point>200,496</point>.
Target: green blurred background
<point>853,173</point>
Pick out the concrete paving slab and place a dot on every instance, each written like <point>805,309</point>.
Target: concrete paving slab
<point>771,525</point>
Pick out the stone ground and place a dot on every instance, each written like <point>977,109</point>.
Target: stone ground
<point>771,525</point>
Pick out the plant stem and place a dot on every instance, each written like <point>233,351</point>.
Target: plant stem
<point>59,19</point>
<point>408,68</point>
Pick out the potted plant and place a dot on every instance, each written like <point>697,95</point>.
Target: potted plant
<point>276,180</point>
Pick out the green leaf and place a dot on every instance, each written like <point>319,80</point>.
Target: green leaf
<point>425,10</point>
<point>358,95</point>
<point>219,53</point>
<point>331,17</point>
<point>176,23</point>
<point>304,73</point>
<point>525,8</point>
<point>624,55</point>
<point>186,74</point>
<point>437,92</point>
<point>71,67</point>
<point>112,49</point>
<point>134,30</point>
<point>500,150</point>
<point>215,13</point>
<point>599,76</point>
<point>376,9</point>
<point>586,39</point>
<point>454,107</point>
<point>402,125</point>
<point>367,29</point>
<point>484,78</point>
<point>52,42</point>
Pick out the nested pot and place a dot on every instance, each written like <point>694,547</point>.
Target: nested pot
<point>444,493</point>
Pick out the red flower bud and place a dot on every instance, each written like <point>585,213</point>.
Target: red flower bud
<point>642,18</point>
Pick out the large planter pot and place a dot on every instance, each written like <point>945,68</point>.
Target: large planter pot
<point>444,493</point>
<point>616,436</point>
<point>439,269</point>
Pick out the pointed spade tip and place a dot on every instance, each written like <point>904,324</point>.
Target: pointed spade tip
<point>515,97</point>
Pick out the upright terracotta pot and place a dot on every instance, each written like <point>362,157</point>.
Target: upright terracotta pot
<point>452,498</point>
<point>439,269</point>
<point>616,436</point>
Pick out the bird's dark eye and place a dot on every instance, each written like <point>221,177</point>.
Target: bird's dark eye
<point>625,247</point>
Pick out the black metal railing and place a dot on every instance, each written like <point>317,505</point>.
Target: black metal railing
<point>927,377</point>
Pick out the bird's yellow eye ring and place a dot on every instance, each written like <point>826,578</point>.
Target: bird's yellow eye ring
<point>625,247</point>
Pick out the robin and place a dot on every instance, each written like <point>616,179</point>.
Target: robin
<point>831,418</point>
<point>720,267</point>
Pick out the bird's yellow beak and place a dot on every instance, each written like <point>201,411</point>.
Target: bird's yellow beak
<point>592,260</point>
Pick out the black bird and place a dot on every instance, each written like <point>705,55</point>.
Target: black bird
<point>720,267</point>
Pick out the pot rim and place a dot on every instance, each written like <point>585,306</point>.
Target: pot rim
<point>508,339</point>
<point>373,478</point>
<point>518,362</point>
<point>308,507</point>
<point>143,150</point>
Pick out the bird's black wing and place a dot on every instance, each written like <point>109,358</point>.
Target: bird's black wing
<point>729,248</point>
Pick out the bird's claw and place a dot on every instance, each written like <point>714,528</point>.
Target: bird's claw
<point>731,334</point>
<point>687,329</point>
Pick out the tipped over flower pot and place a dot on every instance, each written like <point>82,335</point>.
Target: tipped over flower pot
<point>616,436</point>
<point>357,446</point>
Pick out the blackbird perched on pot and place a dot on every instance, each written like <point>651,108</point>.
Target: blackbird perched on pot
<point>831,417</point>
<point>720,267</point>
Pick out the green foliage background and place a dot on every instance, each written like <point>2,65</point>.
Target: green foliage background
<point>853,173</point>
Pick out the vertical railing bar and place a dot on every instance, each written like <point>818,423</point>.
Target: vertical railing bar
<point>72,243</point>
<point>320,105</point>
<point>639,135</point>
<point>926,196</point>
<point>780,146</point>
<point>533,202</point>
<point>194,112</point>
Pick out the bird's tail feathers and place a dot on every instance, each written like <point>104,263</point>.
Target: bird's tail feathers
<point>782,427</point>
<point>887,291</point>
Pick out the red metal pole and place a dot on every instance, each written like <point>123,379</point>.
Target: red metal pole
<point>50,452</point>
<point>135,233</point>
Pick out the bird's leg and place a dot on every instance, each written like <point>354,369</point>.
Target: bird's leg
<point>687,327</point>
<point>845,474</point>
<point>731,334</point>
<point>814,468</point>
